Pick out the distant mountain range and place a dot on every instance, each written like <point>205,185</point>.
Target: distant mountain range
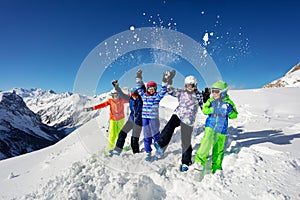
<point>290,79</point>
<point>33,119</point>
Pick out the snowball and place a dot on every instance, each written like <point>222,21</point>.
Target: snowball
<point>132,28</point>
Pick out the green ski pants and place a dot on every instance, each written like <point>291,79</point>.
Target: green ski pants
<point>216,141</point>
<point>115,127</point>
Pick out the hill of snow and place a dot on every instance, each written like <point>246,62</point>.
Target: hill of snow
<point>290,79</point>
<point>262,159</point>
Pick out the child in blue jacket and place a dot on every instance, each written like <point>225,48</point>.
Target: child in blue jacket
<point>218,108</point>
<point>150,111</point>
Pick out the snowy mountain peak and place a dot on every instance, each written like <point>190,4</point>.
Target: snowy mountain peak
<point>290,79</point>
<point>62,111</point>
<point>295,68</point>
<point>21,130</point>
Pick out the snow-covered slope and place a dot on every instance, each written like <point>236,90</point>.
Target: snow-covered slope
<point>290,79</point>
<point>262,159</point>
<point>21,130</point>
<point>63,111</point>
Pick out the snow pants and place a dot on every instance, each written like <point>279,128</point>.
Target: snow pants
<point>136,131</point>
<point>115,127</point>
<point>186,135</point>
<point>151,132</point>
<point>216,141</point>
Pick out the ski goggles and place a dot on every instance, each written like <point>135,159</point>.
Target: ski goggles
<point>190,85</point>
<point>151,88</point>
<point>217,91</point>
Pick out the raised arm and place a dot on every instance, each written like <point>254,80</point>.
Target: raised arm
<point>139,82</point>
<point>119,90</point>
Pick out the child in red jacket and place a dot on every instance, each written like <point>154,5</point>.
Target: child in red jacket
<point>117,116</point>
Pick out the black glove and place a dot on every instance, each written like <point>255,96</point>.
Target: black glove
<point>168,77</point>
<point>139,74</point>
<point>88,109</point>
<point>172,74</point>
<point>206,94</point>
<point>115,83</point>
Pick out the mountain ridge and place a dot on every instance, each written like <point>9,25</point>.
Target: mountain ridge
<point>22,131</point>
<point>290,79</point>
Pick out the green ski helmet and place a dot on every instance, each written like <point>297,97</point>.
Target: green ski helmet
<point>222,86</point>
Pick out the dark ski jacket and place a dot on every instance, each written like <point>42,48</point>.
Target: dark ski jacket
<point>135,106</point>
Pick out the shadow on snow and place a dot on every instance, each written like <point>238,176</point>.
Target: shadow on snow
<point>246,139</point>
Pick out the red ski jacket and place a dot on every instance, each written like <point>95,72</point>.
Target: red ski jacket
<point>116,108</point>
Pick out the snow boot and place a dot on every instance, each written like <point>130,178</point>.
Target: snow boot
<point>113,152</point>
<point>184,167</point>
<point>198,166</point>
<point>159,150</point>
<point>148,157</point>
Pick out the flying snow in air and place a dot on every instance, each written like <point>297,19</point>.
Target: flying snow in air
<point>205,38</point>
<point>132,28</point>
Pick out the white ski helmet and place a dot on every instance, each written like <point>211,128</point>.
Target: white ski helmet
<point>190,80</point>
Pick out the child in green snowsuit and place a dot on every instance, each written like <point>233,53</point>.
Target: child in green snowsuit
<point>218,108</point>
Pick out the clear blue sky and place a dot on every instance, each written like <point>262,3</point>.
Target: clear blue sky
<point>43,43</point>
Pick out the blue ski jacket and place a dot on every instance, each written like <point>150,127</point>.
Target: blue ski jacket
<point>218,112</point>
<point>150,102</point>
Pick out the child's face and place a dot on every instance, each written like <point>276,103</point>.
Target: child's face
<point>151,90</point>
<point>190,87</point>
<point>134,97</point>
<point>216,93</point>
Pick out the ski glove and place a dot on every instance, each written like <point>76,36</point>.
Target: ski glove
<point>139,74</point>
<point>88,109</point>
<point>168,77</point>
<point>172,74</point>
<point>115,83</point>
<point>206,94</point>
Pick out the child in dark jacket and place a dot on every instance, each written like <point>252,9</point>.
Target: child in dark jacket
<point>133,123</point>
<point>218,108</point>
<point>189,99</point>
